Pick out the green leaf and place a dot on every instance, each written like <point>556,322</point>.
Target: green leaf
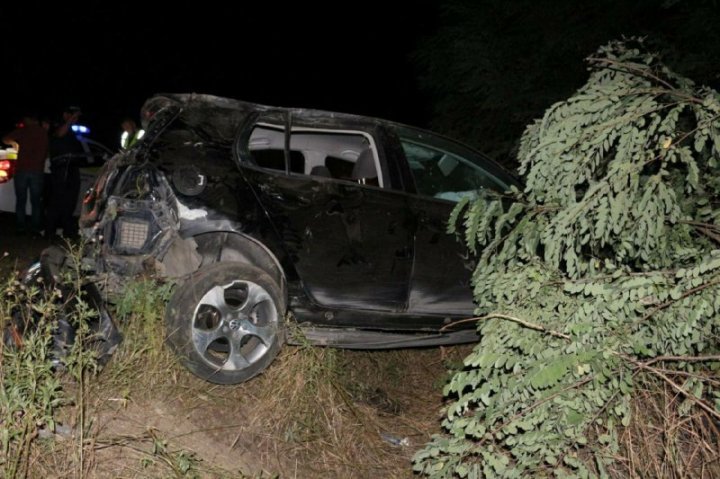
<point>549,374</point>
<point>574,417</point>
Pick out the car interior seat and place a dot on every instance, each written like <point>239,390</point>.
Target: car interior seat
<point>364,171</point>
<point>321,170</point>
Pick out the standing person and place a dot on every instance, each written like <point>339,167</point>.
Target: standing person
<point>65,153</point>
<point>31,141</point>
<point>131,134</point>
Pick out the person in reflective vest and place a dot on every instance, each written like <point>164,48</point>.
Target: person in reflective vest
<point>131,134</point>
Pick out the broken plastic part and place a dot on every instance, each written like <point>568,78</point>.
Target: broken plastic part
<point>394,440</point>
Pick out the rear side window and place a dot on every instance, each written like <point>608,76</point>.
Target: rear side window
<point>275,160</point>
<point>345,155</point>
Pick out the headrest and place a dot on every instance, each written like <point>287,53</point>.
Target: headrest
<point>364,166</point>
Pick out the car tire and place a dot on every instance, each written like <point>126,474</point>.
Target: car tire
<point>225,322</point>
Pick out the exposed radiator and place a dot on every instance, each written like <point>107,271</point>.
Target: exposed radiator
<point>132,233</point>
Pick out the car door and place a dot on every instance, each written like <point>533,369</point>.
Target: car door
<point>442,171</point>
<point>347,237</point>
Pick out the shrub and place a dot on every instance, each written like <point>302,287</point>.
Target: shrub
<point>606,267</point>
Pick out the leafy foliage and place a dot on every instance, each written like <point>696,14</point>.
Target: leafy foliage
<point>606,266</point>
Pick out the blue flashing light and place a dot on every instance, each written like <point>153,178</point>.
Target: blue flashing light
<point>80,129</point>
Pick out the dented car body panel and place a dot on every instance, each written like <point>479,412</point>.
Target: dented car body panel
<point>340,210</point>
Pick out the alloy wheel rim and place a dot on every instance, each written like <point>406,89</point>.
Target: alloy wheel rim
<point>234,325</point>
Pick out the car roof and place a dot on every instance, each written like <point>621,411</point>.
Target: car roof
<point>237,111</point>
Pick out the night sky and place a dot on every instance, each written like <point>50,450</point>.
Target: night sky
<point>479,74</point>
<point>109,57</point>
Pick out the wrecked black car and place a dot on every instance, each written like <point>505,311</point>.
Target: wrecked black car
<point>264,215</point>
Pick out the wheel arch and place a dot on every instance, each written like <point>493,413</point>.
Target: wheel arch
<point>216,246</point>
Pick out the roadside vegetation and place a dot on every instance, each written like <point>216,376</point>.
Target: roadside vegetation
<point>597,290</point>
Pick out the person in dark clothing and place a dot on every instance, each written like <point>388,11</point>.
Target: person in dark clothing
<point>65,154</point>
<point>31,141</point>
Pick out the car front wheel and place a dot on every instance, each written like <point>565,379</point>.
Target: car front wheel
<point>225,322</point>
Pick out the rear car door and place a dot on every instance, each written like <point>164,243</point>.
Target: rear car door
<point>345,230</point>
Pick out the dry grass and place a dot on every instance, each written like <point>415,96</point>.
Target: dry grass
<point>329,413</point>
<point>667,437</point>
<point>316,412</point>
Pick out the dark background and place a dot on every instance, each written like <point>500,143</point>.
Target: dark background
<point>109,57</point>
<point>476,70</point>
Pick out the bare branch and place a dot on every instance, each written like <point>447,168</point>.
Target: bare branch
<point>702,404</point>
<point>522,322</point>
<point>690,359</point>
<point>687,293</point>
<point>706,229</point>
<point>645,72</point>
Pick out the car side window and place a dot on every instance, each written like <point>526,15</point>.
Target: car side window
<point>444,174</point>
<point>275,160</point>
<point>341,155</point>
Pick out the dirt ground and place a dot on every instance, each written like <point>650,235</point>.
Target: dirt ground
<point>17,252</point>
<point>240,431</point>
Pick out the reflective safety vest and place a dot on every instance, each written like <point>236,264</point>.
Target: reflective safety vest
<point>127,140</point>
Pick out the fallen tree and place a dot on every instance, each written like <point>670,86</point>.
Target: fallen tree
<point>601,275</point>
